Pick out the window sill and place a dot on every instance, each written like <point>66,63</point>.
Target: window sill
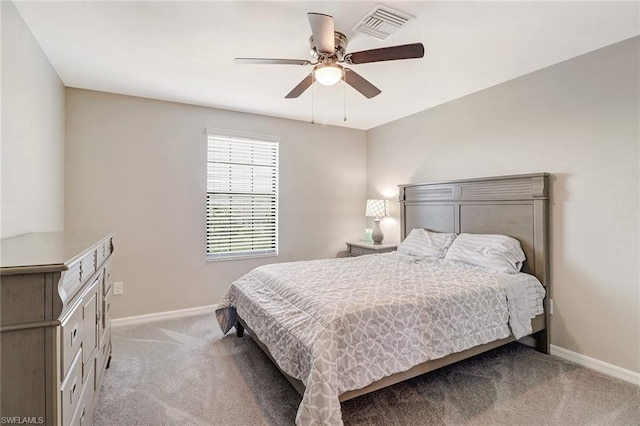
<point>239,257</point>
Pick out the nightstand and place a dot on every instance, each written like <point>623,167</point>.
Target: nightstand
<point>364,247</point>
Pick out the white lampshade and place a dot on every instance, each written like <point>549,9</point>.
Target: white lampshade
<point>377,208</point>
<point>328,74</point>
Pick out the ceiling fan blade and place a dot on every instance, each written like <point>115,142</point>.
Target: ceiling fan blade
<point>322,28</point>
<point>269,61</point>
<point>301,87</point>
<point>406,51</point>
<point>359,83</point>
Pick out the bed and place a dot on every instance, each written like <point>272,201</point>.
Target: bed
<point>341,328</point>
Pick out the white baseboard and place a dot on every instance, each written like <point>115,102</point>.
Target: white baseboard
<point>597,365</point>
<point>159,316</point>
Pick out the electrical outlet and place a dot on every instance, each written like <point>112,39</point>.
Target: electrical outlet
<point>118,288</point>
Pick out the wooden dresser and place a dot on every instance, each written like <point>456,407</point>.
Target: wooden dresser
<point>55,326</point>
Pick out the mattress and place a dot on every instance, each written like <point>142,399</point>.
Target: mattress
<point>342,324</point>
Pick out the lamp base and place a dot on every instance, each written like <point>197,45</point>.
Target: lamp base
<point>377,234</point>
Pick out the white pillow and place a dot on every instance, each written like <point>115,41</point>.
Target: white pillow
<point>423,243</point>
<point>498,253</point>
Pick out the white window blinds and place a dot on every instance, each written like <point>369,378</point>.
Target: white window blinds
<point>242,195</point>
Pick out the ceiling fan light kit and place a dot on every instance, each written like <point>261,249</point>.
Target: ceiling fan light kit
<point>328,48</point>
<point>327,74</point>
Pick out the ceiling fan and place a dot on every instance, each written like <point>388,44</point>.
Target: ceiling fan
<point>328,48</point>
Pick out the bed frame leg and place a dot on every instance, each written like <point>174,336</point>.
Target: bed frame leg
<point>239,329</point>
<point>542,342</point>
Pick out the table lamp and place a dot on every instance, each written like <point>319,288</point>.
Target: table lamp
<point>377,209</point>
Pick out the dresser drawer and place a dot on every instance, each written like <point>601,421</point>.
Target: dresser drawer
<point>82,416</point>
<point>72,280</point>
<point>103,251</point>
<point>106,277</point>
<point>356,251</point>
<point>71,389</point>
<point>101,254</point>
<point>102,358</point>
<point>106,309</point>
<point>88,265</point>
<point>71,334</point>
<point>91,318</point>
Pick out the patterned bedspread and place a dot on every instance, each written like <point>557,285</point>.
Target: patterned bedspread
<point>341,324</point>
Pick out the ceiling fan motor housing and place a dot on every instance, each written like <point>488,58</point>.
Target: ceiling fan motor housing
<point>339,51</point>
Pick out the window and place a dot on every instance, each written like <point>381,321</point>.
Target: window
<point>242,195</point>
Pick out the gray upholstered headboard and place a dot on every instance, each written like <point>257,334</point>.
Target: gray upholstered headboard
<point>517,206</point>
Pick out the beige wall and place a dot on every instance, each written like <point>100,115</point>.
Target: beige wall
<point>579,121</point>
<point>138,166</point>
<point>32,150</point>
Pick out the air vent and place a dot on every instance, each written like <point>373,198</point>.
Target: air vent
<point>382,21</point>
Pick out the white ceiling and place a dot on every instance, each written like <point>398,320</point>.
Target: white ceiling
<point>183,51</point>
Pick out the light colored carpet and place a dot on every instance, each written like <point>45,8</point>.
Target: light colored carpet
<point>184,372</point>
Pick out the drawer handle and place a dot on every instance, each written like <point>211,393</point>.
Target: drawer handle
<point>72,392</point>
<point>74,334</point>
